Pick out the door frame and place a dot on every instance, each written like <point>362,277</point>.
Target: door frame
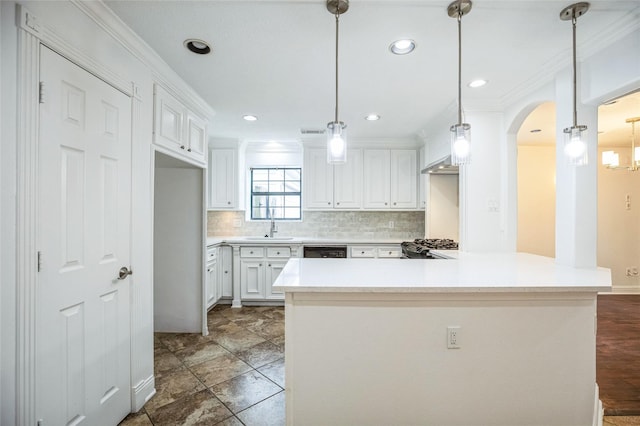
<point>32,33</point>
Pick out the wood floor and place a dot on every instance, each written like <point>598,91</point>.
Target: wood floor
<point>618,354</point>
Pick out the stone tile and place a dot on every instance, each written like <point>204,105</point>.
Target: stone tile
<point>226,326</point>
<point>136,419</point>
<point>157,343</point>
<point>260,354</point>
<point>269,329</point>
<point>201,408</point>
<point>171,387</point>
<point>274,372</point>
<point>279,341</point>
<point>220,369</point>
<point>276,313</point>
<point>231,421</point>
<point>193,355</point>
<point>165,362</point>
<point>270,412</point>
<point>238,340</point>
<point>245,390</point>
<point>178,341</point>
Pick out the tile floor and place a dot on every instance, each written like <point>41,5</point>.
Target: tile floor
<point>233,377</point>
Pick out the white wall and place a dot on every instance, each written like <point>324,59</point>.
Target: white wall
<point>443,210</point>
<point>537,199</point>
<point>619,228</point>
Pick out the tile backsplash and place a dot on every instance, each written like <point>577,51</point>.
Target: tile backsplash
<point>324,224</point>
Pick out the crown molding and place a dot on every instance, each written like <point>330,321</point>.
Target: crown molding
<point>162,73</point>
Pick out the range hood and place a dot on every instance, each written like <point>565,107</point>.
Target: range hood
<point>441,167</point>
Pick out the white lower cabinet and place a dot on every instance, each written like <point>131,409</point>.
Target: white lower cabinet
<point>213,284</point>
<point>372,252</point>
<point>225,271</point>
<point>259,268</point>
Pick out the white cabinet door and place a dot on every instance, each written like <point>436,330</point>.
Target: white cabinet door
<point>404,179</point>
<point>252,279</point>
<point>222,178</point>
<point>422,180</point>
<point>169,120</point>
<point>196,137</point>
<point>376,179</point>
<point>348,181</point>
<point>212,283</point>
<point>318,180</point>
<point>274,267</point>
<point>225,276</point>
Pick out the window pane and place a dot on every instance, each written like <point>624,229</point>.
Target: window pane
<point>292,213</point>
<point>292,187</point>
<point>292,174</point>
<point>259,213</point>
<point>292,201</point>
<point>276,186</point>
<point>276,174</point>
<point>260,186</point>
<point>260,174</point>
<point>276,201</point>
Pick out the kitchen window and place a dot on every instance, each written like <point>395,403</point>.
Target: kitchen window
<point>276,193</point>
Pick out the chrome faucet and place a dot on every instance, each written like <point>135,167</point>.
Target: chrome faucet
<point>273,228</point>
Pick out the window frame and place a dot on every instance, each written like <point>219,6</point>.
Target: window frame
<point>269,194</point>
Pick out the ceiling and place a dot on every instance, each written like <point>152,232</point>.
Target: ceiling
<point>275,58</point>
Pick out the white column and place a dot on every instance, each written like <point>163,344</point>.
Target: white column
<point>576,187</point>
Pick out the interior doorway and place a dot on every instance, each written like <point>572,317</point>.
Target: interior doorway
<point>537,182</point>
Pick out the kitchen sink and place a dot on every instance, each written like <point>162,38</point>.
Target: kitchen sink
<point>270,238</point>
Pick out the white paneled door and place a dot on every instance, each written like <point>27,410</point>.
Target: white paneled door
<point>83,326</point>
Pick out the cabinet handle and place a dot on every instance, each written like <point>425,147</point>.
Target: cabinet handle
<point>390,252</point>
<point>226,272</point>
<point>189,150</point>
<point>361,252</point>
<point>228,202</point>
<point>394,203</point>
<point>269,265</point>
<point>250,252</point>
<point>385,204</point>
<point>181,146</point>
<point>260,264</point>
<point>208,270</point>
<point>277,252</point>
<point>329,203</point>
<point>338,203</point>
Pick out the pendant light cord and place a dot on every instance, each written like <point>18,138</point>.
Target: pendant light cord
<point>337,22</point>
<point>460,65</point>
<point>575,111</point>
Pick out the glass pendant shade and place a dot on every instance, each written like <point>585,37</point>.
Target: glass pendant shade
<point>460,144</point>
<point>336,143</point>
<point>575,145</point>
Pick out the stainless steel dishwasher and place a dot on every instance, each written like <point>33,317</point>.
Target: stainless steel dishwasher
<point>328,252</point>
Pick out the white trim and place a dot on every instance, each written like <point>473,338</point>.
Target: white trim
<point>26,218</point>
<point>598,411</point>
<point>142,392</point>
<point>162,73</point>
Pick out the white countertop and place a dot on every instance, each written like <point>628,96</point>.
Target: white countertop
<point>299,240</point>
<point>470,272</point>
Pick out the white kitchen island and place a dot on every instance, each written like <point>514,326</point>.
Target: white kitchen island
<point>367,341</point>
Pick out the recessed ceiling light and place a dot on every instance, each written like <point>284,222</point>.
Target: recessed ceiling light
<point>402,47</point>
<point>250,117</point>
<point>372,117</point>
<point>535,130</point>
<point>200,47</point>
<point>477,83</point>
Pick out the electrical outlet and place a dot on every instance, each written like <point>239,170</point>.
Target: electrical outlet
<point>453,337</point>
<point>632,271</point>
<point>391,224</point>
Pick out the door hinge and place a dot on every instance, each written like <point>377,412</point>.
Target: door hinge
<point>41,92</point>
<point>39,261</point>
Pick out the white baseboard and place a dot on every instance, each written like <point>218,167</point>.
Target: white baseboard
<point>598,410</point>
<point>142,392</point>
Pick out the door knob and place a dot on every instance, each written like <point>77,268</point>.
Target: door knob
<point>124,272</point>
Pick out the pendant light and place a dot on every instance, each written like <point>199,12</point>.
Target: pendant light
<point>575,145</point>
<point>460,132</point>
<point>336,129</point>
<point>611,160</point>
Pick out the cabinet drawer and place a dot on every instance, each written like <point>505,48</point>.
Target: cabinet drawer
<point>251,251</point>
<point>279,252</point>
<point>363,252</point>
<point>391,251</point>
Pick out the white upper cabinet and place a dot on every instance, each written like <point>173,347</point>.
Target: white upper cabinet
<point>222,170</point>
<point>390,179</point>
<point>347,181</point>
<point>333,187</point>
<point>404,179</point>
<point>318,180</point>
<point>177,128</point>
<point>377,194</point>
